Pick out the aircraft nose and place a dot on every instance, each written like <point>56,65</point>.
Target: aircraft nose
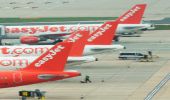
<point>78,74</point>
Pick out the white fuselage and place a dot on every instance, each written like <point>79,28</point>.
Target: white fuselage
<point>37,50</point>
<point>95,49</point>
<point>15,32</point>
<point>21,56</point>
<point>22,62</point>
<point>130,28</point>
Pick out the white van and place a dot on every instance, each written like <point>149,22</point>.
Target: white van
<point>132,56</point>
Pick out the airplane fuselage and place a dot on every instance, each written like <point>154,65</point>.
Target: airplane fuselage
<point>15,32</point>
<point>22,62</point>
<point>36,50</point>
<point>22,56</point>
<point>19,78</point>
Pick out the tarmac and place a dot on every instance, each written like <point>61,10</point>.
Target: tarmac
<point>114,79</point>
<point>156,9</point>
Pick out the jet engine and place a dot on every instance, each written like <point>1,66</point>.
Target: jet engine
<point>29,39</point>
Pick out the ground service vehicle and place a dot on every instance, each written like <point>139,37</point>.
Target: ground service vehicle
<point>132,56</point>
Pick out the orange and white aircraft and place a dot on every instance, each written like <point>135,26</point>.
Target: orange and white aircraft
<point>47,67</point>
<point>96,42</point>
<point>36,34</point>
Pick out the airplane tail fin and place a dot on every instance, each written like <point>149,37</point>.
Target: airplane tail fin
<point>104,34</point>
<point>133,16</point>
<point>79,40</point>
<point>53,60</point>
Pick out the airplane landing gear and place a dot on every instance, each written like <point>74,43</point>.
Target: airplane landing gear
<point>116,38</point>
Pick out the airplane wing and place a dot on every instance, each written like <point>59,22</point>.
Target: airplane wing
<point>135,28</point>
<point>83,59</point>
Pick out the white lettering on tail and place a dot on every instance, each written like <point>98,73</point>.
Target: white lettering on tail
<point>99,33</point>
<point>49,56</point>
<point>75,38</point>
<point>130,14</point>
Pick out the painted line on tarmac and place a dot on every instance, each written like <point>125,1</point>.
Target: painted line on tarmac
<point>158,87</point>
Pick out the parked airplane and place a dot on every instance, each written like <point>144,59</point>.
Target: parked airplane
<point>47,67</point>
<point>96,42</point>
<point>105,33</point>
<point>129,23</point>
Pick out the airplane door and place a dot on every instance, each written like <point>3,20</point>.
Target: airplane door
<point>2,31</point>
<point>17,77</point>
<point>3,80</point>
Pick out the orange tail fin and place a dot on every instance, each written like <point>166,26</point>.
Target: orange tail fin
<point>133,16</point>
<point>79,40</point>
<point>53,60</point>
<point>103,35</point>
